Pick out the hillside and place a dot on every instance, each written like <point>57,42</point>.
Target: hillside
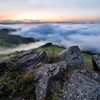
<point>10,41</point>
<point>49,48</point>
<point>17,77</point>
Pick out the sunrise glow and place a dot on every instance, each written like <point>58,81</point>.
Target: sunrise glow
<point>50,11</point>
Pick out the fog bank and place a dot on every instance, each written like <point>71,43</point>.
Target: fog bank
<point>22,47</point>
<point>85,35</point>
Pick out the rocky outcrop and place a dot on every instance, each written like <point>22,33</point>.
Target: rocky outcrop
<point>31,60</point>
<point>73,57</point>
<point>84,85</point>
<point>96,62</point>
<point>46,77</point>
<point>25,53</point>
<point>3,64</point>
<point>92,75</point>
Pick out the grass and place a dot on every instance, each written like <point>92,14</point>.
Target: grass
<point>4,56</point>
<point>88,59</point>
<point>50,49</point>
<point>10,55</point>
<point>17,82</point>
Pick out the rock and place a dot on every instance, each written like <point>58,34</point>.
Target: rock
<point>92,75</point>
<point>3,64</point>
<point>47,76</point>
<point>82,86</point>
<point>30,61</point>
<point>96,62</point>
<point>17,98</point>
<point>1,86</point>
<point>73,57</point>
<point>25,53</point>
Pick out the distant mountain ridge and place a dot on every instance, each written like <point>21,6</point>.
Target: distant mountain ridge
<point>6,31</point>
<point>10,41</point>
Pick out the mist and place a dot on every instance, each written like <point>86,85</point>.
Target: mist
<point>22,47</point>
<point>85,35</point>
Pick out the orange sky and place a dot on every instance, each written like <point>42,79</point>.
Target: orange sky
<point>50,11</point>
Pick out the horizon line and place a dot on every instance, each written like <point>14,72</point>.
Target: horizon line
<point>21,22</point>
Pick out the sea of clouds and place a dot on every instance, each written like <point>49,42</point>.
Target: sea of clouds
<point>85,35</point>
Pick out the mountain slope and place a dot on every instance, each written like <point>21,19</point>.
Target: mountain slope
<point>9,41</point>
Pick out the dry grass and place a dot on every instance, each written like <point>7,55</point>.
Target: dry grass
<point>89,68</point>
<point>39,64</point>
<point>29,74</point>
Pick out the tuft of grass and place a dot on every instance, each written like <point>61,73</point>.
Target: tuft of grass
<point>53,58</point>
<point>88,59</point>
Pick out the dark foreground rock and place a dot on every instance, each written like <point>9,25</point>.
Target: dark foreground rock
<point>25,53</point>
<point>31,60</point>
<point>17,98</point>
<point>82,86</point>
<point>96,62</point>
<point>73,57</point>
<point>1,86</point>
<point>46,77</point>
<point>3,64</point>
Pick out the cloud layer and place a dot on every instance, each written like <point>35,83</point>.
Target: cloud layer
<point>86,36</point>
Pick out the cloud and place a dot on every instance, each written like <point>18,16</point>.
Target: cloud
<point>9,27</point>
<point>86,36</point>
<point>61,16</point>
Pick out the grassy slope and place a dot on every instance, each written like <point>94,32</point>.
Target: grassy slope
<point>50,49</point>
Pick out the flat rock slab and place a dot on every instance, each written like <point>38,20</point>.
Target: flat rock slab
<point>82,86</point>
<point>96,62</point>
<point>25,53</point>
<point>31,60</point>
<point>45,75</point>
<point>73,57</point>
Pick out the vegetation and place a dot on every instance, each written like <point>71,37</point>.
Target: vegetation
<point>50,49</point>
<point>88,59</point>
<point>10,41</point>
<point>17,82</point>
<point>10,55</point>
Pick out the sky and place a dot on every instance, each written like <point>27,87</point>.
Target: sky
<point>50,10</point>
